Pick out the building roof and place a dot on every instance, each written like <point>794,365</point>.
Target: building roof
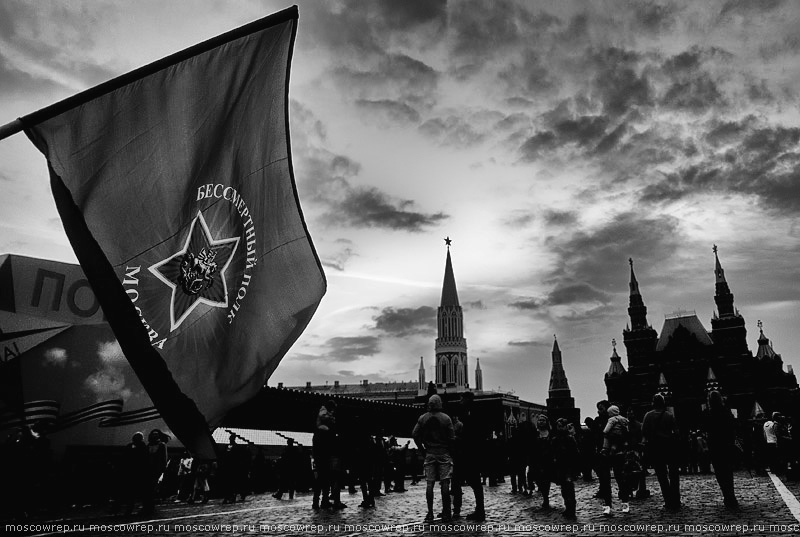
<point>616,368</point>
<point>690,322</point>
<point>369,388</point>
<point>765,350</point>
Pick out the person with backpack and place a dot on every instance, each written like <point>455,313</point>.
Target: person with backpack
<point>615,445</point>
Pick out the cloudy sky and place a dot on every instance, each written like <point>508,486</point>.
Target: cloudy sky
<point>550,140</point>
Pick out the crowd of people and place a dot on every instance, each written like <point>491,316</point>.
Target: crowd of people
<point>460,455</point>
<point>453,448</point>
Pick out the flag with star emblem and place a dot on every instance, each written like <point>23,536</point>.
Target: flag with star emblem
<point>175,186</point>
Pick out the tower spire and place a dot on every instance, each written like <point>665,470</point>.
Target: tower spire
<point>560,403</point>
<point>723,296</point>
<point>634,285</point>
<point>451,347</point>
<point>718,271</point>
<point>636,310</point>
<point>558,378</point>
<point>727,327</point>
<point>449,292</point>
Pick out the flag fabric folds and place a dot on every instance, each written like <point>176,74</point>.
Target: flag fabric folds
<point>176,189</point>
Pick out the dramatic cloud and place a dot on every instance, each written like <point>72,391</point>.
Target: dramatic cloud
<point>742,158</point>
<point>619,85</point>
<point>395,76</point>
<point>597,257</point>
<point>534,344</point>
<point>749,8</point>
<point>391,111</point>
<point>349,349</point>
<point>53,60</point>
<point>695,95</point>
<point>368,207</point>
<point>328,178</point>
<point>528,304</point>
<point>401,322</point>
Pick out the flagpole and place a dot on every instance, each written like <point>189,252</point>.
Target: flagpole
<point>10,129</point>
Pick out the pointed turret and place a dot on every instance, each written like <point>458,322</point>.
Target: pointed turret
<point>636,310</point>
<point>422,384</point>
<point>711,381</point>
<point>758,411</point>
<point>765,350</point>
<point>558,378</point>
<point>616,369</point>
<point>560,403</point>
<point>617,381</point>
<point>478,376</point>
<point>727,326</point>
<point>723,296</point>
<point>451,347</point>
<point>640,338</point>
<point>663,387</point>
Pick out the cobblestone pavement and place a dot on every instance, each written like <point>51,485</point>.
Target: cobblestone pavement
<point>763,512</point>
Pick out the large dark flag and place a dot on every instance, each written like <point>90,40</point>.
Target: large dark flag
<point>176,189</point>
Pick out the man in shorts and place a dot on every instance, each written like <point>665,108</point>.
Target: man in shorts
<point>434,433</point>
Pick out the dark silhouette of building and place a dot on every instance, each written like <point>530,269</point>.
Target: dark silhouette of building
<point>560,404</point>
<point>685,361</point>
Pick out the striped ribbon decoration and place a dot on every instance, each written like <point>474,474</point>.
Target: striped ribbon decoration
<point>31,412</point>
<point>108,412</point>
<point>104,409</point>
<point>132,416</point>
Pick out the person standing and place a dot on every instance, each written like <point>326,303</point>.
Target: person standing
<point>397,462</point>
<point>661,442</point>
<point>639,484</point>
<point>588,448</point>
<point>771,439</point>
<point>601,463</point>
<point>185,477</point>
<point>135,471</point>
<point>566,461</point>
<point>156,464</point>
<point>542,461</point>
<point>287,470</point>
<point>326,459</point>
<point>471,452</point>
<point>517,457</point>
<point>435,434</point>
<point>616,436</point>
<point>721,430</point>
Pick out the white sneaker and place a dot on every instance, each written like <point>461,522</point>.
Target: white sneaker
<point>607,510</point>
<point>626,508</point>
